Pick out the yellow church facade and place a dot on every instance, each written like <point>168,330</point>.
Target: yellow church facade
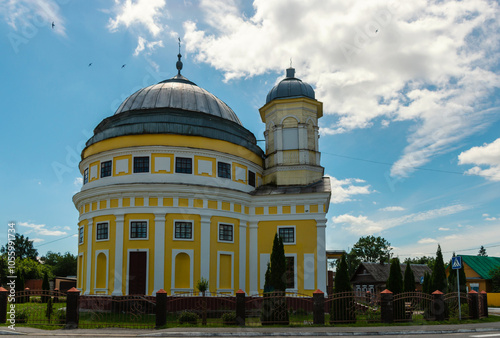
<point>176,189</point>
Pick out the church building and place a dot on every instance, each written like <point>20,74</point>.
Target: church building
<point>175,188</point>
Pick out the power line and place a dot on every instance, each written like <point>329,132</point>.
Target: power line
<point>55,240</point>
<point>453,251</point>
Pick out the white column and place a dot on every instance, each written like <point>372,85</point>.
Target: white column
<point>205,247</point>
<point>243,255</point>
<point>321,254</point>
<point>159,252</point>
<point>278,139</point>
<point>254,275</point>
<point>118,283</point>
<point>89,256</point>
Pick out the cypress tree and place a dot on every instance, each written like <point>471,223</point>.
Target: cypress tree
<point>343,308</point>
<point>426,284</point>
<point>395,281</point>
<point>409,281</point>
<point>342,282</point>
<point>278,265</point>
<point>438,279</point>
<point>45,287</point>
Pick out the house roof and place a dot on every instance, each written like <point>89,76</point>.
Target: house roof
<point>380,272</point>
<point>481,265</point>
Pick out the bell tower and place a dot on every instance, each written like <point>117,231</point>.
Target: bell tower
<point>291,116</point>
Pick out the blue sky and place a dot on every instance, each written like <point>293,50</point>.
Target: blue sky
<point>410,135</point>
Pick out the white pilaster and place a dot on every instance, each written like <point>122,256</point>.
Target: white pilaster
<point>159,253</point>
<point>321,253</point>
<point>254,276</point>
<point>89,256</point>
<point>205,247</point>
<point>278,138</point>
<point>243,255</point>
<point>118,283</point>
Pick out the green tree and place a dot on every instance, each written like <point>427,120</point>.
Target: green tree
<point>23,247</point>
<point>482,252</point>
<point>61,265</point>
<point>342,308</point>
<point>278,265</point>
<point>438,279</point>
<point>409,281</point>
<point>372,249</point>
<point>395,280</point>
<point>45,287</point>
<point>495,279</point>
<point>342,281</point>
<point>426,286</point>
<point>452,279</point>
<point>429,261</point>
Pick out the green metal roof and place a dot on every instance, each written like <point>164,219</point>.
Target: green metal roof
<point>481,265</point>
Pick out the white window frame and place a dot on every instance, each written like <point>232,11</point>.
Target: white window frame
<point>294,233</point>
<point>101,240</point>
<point>130,230</point>
<point>106,253</point>
<point>290,138</point>
<point>82,241</point>
<point>149,165</point>
<point>218,227</point>
<point>192,230</point>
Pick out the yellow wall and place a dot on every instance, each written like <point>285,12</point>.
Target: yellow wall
<point>493,299</point>
<point>104,245</point>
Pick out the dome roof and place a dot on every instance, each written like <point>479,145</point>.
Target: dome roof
<point>177,93</point>
<point>290,87</point>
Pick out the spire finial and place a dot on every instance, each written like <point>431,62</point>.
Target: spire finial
<point>179,62</point>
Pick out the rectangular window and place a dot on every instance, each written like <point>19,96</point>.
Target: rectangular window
<point>102,231</point>
<point>251,178</point>
<point>139,229</point>
<point>183,230</point>
<point>183,165</point>
<point>80,235</point>
<point>141,164</point>
<point>224,170</point>
<point>226,232</point>
<point>290,272</point>
<point>287,235</point>
<point>86,176</point>
<point>106,169</point>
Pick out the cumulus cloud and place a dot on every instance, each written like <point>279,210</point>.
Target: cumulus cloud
<point>426,62</point>
<point>144,13</point>
<point>37,240</point>
<point>78,181</point>
<point>28,16</point>
<point>363,226</point>
<point>486,159</point>
<point>427,241</point>
<point>444,229</point>
<point>344,190</point>
<point>394,208</point>
<point>40,229</point>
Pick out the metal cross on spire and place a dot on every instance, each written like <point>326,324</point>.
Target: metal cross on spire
<point>179,62</point>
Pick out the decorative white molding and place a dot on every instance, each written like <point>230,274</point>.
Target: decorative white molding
<point>242,256</point>
<point>309,272</point>
<point>122,166</point>
<point>118,283</point>
<point>205,224</point>
<point>253,259</point>
<point>89,257</point>
<point>162,163</point>
<point>321,254</point>
<point>264,259</point>
<point>159,253</point>
<point>205,167</point>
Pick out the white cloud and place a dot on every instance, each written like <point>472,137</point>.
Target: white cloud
<point>40,229</point>
<point>444,229</point>
<point>487,155</point>
<point>37,240</point>
<point>363,226</point>
<point>394,208</point>
<point>427,241</point>
<point>28,16</point>
<point>67,228</point>
<point>145,13</point>
<point>78,181</point>
<point>491,219</point>
<point>344,190</point>
<point>404,61</point>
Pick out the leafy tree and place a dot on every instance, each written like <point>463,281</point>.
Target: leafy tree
<point>61,265</point>
<point>4,272</point>
<point>278,265</point>
<point>482,252</point>
<point>409,281</point>
<point>23,247</point>
<point>33,269</point>
<point>372,249</point>
<point>395,280</point>
<point>438,279</point>
<point>342,309</point>
<point>342,281</point>
<point>429,261</point>
<point>495,279</point>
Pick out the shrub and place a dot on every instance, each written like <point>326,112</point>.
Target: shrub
<point>60,316</point>
<point>229,318</point>
<point>22,316</point>
<point>202,285</point>
<point>188,317</point>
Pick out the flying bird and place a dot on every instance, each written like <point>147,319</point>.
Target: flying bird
<point>123,66</point>
<point>53,24</point>
<point>90,64</point>
<point>376,31</point>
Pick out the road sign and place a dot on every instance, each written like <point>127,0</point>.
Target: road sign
<point>456,262</point>
<point>422,280</point>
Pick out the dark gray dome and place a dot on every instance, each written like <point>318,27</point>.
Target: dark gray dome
<point>290,87</point>
<point>177,93</point>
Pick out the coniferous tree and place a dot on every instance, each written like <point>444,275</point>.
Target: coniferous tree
<point>482,252</point>
<point>278,265</point>
<point>395,281</point>
<point>426,285</point>
<point>342,282</point>
<point>343,308</point>
<point>409,281</point>
<point>45,287</point>
<point>438,279</point>
<point>452,279</point>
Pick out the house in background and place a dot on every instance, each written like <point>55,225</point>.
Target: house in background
<point>373,276</point>
<point>477,271</point>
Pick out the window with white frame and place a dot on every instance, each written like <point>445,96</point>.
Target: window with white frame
<point>138,229</point>
<point>102,231</point>
<point>225,232</point>
<point>80,235</point>
<point>287,234</point>
<point>183,230</point>
<point>86,176</point>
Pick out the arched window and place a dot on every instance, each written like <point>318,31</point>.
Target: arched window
<point>290,134</point>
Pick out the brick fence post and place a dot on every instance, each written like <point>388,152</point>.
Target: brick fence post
<point>386,306</point>
<point>3,305</point>
<point>484,296</point>
<point>473,301</point>
<point>56,295</point>
<point>27,295</point>
<point>161,308</point>
<point>240,307</point>
<point>438,306</point>
<point>318,307</point>
<point>72,308</point>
